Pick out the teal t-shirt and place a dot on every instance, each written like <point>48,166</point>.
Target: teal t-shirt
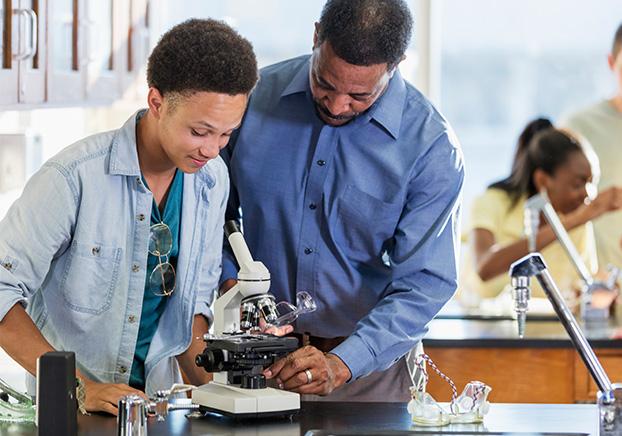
<point>154,305</point>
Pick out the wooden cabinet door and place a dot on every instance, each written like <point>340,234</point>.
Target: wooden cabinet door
<point>9,32</point>
<point>585,387</point>
<point>32,65</point>
<point>103,49</point>
<point>65,65</point>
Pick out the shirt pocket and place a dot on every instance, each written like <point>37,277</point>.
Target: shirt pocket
<point>365,223</point>
<point>90,277</point>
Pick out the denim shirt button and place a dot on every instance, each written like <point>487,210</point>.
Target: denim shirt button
<point>135,268</point>
<point>308,250</point>
<point>8,266</point>
<point>122,369</point>
<point>131,319</point>
<point>141,217</point>
<point>96,251</point>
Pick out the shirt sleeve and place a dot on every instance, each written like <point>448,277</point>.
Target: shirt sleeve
<point>423,261</point>
<point>211,270</point>
<point>486,211</point>
<point>37,227</point>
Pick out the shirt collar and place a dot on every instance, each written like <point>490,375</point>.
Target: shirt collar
<point>300,81</point>
<point>123,152</point>
<point>387,110</point>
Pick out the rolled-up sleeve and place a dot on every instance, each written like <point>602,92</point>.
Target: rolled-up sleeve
<point>36,228</point>
<point>423,261</point>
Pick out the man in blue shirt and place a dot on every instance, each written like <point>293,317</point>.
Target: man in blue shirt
<point>115,246</point>
<point>349,181</point>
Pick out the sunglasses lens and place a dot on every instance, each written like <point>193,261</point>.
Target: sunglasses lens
<point>160,240</point>
<point>162,279</point>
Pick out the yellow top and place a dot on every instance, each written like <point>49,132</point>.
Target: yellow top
<point>492,211</point>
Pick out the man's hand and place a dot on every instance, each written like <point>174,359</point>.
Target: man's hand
<point>327,371</point>
<point>104,397</point>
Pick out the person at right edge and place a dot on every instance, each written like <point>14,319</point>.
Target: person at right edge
<point>601,124</point>
<point>349,182</point>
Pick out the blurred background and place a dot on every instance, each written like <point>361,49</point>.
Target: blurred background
<point>489,66</point>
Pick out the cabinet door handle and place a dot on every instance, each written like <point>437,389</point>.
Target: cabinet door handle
<point>31,50</point>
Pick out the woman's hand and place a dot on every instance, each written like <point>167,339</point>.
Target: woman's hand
<point>608,200</point>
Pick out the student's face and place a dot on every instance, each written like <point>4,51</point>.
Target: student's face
<point>341,90</point>
<point>567,188</point>
<point>193,129</point>
<point>615,63</point>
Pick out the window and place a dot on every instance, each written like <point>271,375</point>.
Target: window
<point>505,63</point>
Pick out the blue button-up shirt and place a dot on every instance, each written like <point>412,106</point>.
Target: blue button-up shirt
<point>74,251</point>
<point>364,217</point>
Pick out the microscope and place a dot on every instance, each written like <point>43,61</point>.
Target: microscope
<point>238,351</point>
<point>540,204</point>
<point>609,396</point>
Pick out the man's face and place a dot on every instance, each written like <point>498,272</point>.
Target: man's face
<point>341,90</point>
<point>193,129</point>
<point>615,63</point>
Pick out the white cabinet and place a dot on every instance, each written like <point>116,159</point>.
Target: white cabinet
<point>68,52</point>
<point>84,59</point>
<point>22,72</point>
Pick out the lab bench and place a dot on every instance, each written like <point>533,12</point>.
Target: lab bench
<point>325,418</point>
<point>543,367</point>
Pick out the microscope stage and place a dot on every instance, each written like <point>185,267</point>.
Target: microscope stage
<point>238,402</point>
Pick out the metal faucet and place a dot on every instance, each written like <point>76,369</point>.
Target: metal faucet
<point>540,203</point>
<point>610,396</point>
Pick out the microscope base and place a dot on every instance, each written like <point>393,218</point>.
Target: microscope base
<point>238,402</point>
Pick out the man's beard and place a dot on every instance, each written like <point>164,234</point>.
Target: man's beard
<point>320,109</point>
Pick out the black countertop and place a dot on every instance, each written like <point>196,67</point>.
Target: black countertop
<point>454,327</point>
<point>323,418</point>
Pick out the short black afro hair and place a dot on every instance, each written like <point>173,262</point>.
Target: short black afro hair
<point>202,55</point>
<point>366,32</point>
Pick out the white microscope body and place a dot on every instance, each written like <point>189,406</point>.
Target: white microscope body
<point>220,395</point>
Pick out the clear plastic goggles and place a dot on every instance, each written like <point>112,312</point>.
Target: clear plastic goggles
<point>468,407</point>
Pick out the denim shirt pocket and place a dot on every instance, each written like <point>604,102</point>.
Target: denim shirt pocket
<point>90,277</point>
<point>365,223</point>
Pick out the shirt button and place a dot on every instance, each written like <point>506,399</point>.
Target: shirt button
<point>321,162</point>
<point>138,181</point>
<point>8,266</point>
<point>141,217</point>
<point>135,268</point>
<point>122,369</point>
<point>313,206</point>
<point>308,250</point>
<point>131,319</point>
<point>95,251</point>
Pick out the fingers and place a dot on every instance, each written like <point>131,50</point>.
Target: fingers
<point>108,408</point>
<point>277,331</point>
<point>292,374</point>
<point>278,366</point>
<point>104,397</point>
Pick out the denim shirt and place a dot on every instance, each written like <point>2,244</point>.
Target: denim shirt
<point>74,252</point>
